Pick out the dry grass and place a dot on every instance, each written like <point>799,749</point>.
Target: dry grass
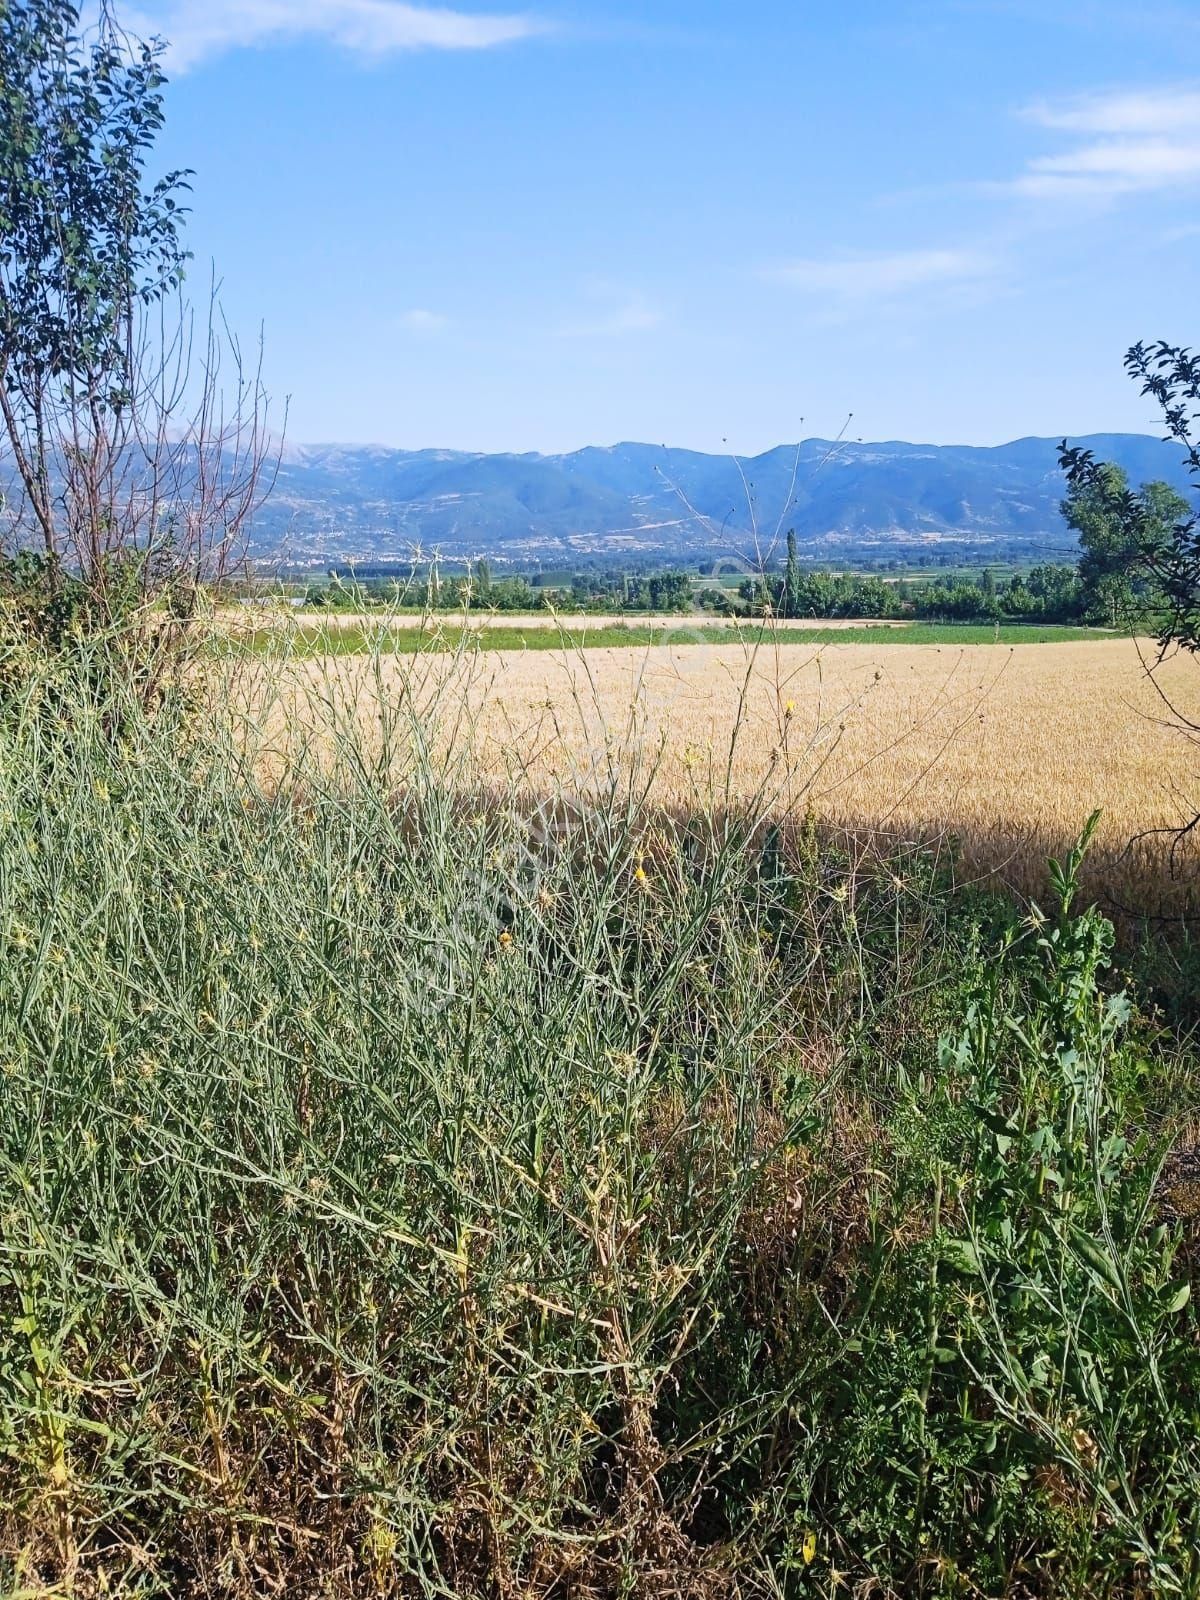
<point>1008,749</point>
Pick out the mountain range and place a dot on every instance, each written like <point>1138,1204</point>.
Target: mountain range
<point>641,503</point>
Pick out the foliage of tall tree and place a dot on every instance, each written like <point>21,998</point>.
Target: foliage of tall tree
<point>1159,536</point>
<point>1152,534</point>
<point>791,580</point>
<point>128,473</point>
<point>1117,567</point>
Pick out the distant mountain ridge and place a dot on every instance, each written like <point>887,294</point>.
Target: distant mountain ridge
<point>644,502</point>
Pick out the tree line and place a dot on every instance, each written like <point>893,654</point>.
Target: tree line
<point>1118,582</point>
<point>478,589</point>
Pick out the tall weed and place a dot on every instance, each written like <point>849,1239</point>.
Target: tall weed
<point>411,1186</point>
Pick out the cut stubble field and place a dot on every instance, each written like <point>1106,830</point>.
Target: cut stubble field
<point>1003,749</point>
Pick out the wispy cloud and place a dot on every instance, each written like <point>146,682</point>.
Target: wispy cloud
<point>1136,111</point>
<point>630,317</point>
<point>423,321</point>
<point>200,29</point>
<point>1140,139</point>
<point>882,276</point>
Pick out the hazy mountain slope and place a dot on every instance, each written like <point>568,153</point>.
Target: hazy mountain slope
<point>364,502</point>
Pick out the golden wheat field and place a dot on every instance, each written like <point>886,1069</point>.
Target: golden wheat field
<point>1006,748</point>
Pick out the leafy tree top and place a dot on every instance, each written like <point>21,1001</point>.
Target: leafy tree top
<point>1160,538</point>
<point>85,235</point>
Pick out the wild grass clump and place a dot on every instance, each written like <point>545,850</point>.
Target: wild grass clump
<point>409,1193</point>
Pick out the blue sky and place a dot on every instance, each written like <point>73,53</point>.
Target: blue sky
<point>692,221</point>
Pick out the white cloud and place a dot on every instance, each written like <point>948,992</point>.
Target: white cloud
<point>1143,161</point>
<point>1142,139</point>
<point>421,320</point>
<point>1165,110</point>
<point>633,316</point>
<point>196,30</point>
<point>870,277</point>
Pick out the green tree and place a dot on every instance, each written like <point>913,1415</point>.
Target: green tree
<point>1056,593</point>
<point>1156,530</point>
<point>1119,555</point>
<point>791,579</point>
<point>989,601</point>
<point>1159,531</point>
<point>124,494</point>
